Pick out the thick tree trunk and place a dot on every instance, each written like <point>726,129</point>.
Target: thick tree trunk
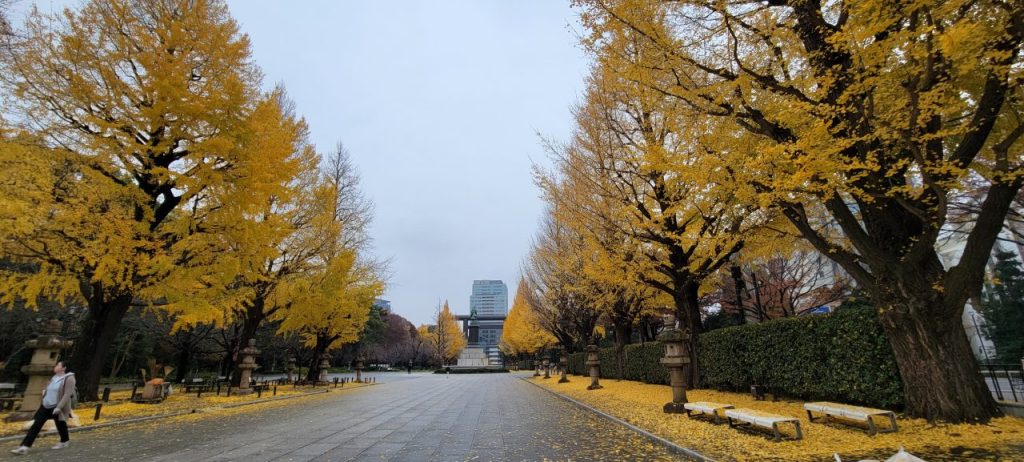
<point>227,364</point>
<point>941,379</point>
<point>688,313</point>
<point>623,332</point>
<point>184,361</point>
<point>254,315</point>
<point>314,367</point>
<point>91,348</point>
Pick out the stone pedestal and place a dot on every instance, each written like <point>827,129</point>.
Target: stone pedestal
<point>325,364</point>
<point>46,351</point>
<point>359,370</point>
<point>676,357</point>
<point>547,366</point>
<point>472,357</point>
<point>594,366</point>
<point>247,365</point>
<point>563,363</point>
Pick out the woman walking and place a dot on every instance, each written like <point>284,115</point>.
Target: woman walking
<point>56,405</point>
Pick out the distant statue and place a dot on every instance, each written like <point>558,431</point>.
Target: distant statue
<point>472,313</point>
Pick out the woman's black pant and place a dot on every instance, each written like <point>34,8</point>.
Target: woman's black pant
<point>42,415</point>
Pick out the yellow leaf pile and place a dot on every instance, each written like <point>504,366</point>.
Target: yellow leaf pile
<point>641,404</point>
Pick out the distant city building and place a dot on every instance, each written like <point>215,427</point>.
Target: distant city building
<point>381,303</point>
<point>489,299</point>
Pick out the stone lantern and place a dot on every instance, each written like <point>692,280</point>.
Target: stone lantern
<point>325,364</point>
<point>676,358</point>
<point>359,369</point>
<point>536,365</point>
<point>594,366</point>
<point>291,369</point>
<point>547,365</point>
<point>246,366</point>
<point>563,363</point>
<point>46,350</point>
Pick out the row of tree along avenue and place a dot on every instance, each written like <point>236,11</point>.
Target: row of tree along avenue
<point>142,167</point>
<point>848,135</point>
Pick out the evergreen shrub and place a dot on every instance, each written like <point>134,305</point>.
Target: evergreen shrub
<point>842,357</point>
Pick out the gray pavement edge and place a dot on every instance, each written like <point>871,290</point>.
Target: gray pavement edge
<point>687,452</point>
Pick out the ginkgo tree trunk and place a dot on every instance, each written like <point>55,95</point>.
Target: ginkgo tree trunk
<point>137,112</point>
<point>866,117</point>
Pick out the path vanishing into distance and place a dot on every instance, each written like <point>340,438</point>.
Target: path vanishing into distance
<point>418,417</point>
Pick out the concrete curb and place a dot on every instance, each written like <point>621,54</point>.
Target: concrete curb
<point>673,447</point>
<point>115,423</point>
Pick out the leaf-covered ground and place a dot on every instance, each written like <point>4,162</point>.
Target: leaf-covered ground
<point>121,408</point>
<point>641,404</point>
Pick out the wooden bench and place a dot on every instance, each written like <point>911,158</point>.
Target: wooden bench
<point>9,396</point>
<point>752,418</point>
<point>198,385</point>
<point>855,413</point>
<point>707,408</point>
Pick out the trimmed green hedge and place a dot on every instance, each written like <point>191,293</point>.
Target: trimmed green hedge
<point>641,363</point>
<point>838,357</point>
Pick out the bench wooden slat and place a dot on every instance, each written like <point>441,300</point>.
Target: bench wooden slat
<point>707,408</point>
<point>858,413</point>
<point>764,420</point>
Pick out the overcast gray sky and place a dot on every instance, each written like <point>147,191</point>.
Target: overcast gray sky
<point>439,104</point>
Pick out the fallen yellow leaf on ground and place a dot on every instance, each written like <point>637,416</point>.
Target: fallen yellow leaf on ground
<point>641,404</point>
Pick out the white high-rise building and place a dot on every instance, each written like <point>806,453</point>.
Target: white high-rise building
<point>489,298</point>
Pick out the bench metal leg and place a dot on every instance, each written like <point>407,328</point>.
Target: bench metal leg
<point>775,430</point>
<point>810,416</point>
<point>892,420</point>
<point>872,429</point>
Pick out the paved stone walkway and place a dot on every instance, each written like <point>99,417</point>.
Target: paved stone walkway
<point>419,417</point>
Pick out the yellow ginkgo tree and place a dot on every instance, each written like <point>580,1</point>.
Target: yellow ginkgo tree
<point>865,120</point>
<point>136,116</point>
<point>445,337</point>
<point>522,335</point>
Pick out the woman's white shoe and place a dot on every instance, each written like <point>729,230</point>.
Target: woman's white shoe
<point>21,450</point>
<point>61,445</point>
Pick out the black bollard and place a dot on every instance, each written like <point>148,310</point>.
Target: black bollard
<point>218,388</point>
<point>134,388</point>
<point>98,407</point>
<point>229,390</point>
<point>259,392</point>
<point>106,394</point>
<point>199,392</point>
<point>275,390</point>
<point>335,382</point>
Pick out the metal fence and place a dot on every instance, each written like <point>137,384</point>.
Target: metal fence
<point>1005,381</point>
